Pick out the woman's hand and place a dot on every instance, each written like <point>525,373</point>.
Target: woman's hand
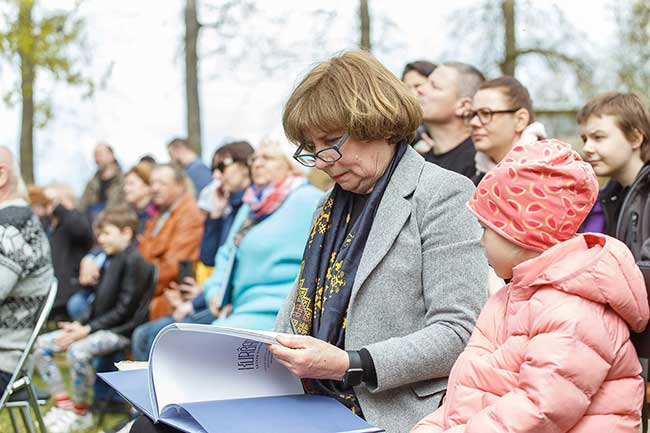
<point>219,203</point>
<point>309,357</point>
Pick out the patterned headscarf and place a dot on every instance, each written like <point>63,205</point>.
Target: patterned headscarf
<point>537,196</point>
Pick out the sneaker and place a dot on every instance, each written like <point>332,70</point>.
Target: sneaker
<point>52,415</point>
<point>66,421</point>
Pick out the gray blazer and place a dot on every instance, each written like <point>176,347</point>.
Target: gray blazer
<point>419,288</point>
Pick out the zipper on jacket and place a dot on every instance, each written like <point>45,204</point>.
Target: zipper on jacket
<point>635,223</point>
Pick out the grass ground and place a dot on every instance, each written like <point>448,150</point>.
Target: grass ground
<point>109,421</point>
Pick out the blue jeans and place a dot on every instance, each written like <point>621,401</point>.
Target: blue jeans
<point>143,335</point>
<point>79,302</point>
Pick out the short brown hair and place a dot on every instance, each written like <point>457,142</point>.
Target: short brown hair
<point>629,113</point>
<point>422,67</point>
<point>352,92</point>
<point>36,195</point>
<point>143,170</point>
<point>179,142</point>
<point>469,79</point>
<point>516,93</point>
<point>120,216</point>
<point>178,172</point>
<point>239,151</point>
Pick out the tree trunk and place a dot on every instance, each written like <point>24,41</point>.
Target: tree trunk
<point>509,63</point>
<point>27,74</point>
<point>192,76</point>
<point>364,21</point>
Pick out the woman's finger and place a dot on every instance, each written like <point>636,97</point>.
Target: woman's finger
<point>293,341</point>
<point>282,353</point>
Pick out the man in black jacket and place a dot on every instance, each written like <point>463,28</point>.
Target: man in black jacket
<point>117,309</point>
<point>445,98</point>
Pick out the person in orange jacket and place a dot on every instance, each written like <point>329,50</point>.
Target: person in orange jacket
<point>173,235</point>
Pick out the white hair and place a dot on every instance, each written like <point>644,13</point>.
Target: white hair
<point>287,150</point>
<point>16,183</point>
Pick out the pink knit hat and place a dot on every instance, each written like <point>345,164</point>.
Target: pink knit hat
<point>537,196</point>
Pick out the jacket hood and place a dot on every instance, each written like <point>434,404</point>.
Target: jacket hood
<point>595,267</point>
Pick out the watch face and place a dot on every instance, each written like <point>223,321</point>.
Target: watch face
<point>353,377</point>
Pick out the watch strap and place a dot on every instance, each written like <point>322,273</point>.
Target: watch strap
<point>354,373</point>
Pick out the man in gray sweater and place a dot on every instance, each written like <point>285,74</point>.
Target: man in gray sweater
<point>25,267</point>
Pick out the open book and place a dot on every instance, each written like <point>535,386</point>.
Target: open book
<point>212,379</point>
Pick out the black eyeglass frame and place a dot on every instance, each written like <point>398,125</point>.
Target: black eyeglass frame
<point>469,115</point>
<point>337,148</point>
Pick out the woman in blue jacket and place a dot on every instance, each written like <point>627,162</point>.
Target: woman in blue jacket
<point>257,265</point>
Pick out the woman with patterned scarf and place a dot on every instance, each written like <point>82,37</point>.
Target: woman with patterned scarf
<point>393,277</point>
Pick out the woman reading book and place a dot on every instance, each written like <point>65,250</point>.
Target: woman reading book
<point>393,277</point>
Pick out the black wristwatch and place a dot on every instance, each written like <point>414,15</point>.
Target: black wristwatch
<point>354,373</point>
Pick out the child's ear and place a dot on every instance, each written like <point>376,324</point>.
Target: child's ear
<point>637,140</point>
<point>128,231</point>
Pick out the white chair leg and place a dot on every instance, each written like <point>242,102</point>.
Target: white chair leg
<point>27,419</point>
<point>33,402</point>
<point>12,417</point>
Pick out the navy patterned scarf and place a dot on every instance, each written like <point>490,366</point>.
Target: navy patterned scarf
<point>327,274</point>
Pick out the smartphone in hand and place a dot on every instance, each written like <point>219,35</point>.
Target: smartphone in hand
<point>185,269</point>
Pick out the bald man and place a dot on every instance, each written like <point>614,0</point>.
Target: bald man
<point>25,266</point>
<point>444,99</point>
<point>106,188</point>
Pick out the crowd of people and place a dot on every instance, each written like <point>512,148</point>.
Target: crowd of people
<point>460,273</point>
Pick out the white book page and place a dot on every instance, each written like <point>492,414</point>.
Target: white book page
<point>194,363</point>
<point>263,336</point>
<point>131,365</point>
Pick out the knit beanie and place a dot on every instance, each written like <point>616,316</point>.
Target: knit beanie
<point>537,196</point>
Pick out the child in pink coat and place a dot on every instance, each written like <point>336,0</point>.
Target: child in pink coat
<point>551,351</point>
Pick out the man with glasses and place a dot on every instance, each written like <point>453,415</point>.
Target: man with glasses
<point>444,99</point>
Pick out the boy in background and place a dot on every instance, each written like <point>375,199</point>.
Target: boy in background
<point>105,328</point>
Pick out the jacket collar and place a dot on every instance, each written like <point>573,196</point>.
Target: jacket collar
<point>392,213</point>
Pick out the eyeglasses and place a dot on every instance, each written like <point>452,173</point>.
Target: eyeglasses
<point>484,115</point>
<point>329,154</point>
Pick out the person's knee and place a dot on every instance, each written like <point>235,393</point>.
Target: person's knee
<point>140,334</point>
<point>77,354</point>
<point>40,349</point>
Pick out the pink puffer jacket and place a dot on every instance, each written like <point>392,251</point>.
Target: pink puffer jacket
<point>551,351</point>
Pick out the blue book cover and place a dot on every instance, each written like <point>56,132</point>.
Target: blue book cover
<point>230,384</point>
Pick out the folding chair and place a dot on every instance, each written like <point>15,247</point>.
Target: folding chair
<point>21,393</point>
